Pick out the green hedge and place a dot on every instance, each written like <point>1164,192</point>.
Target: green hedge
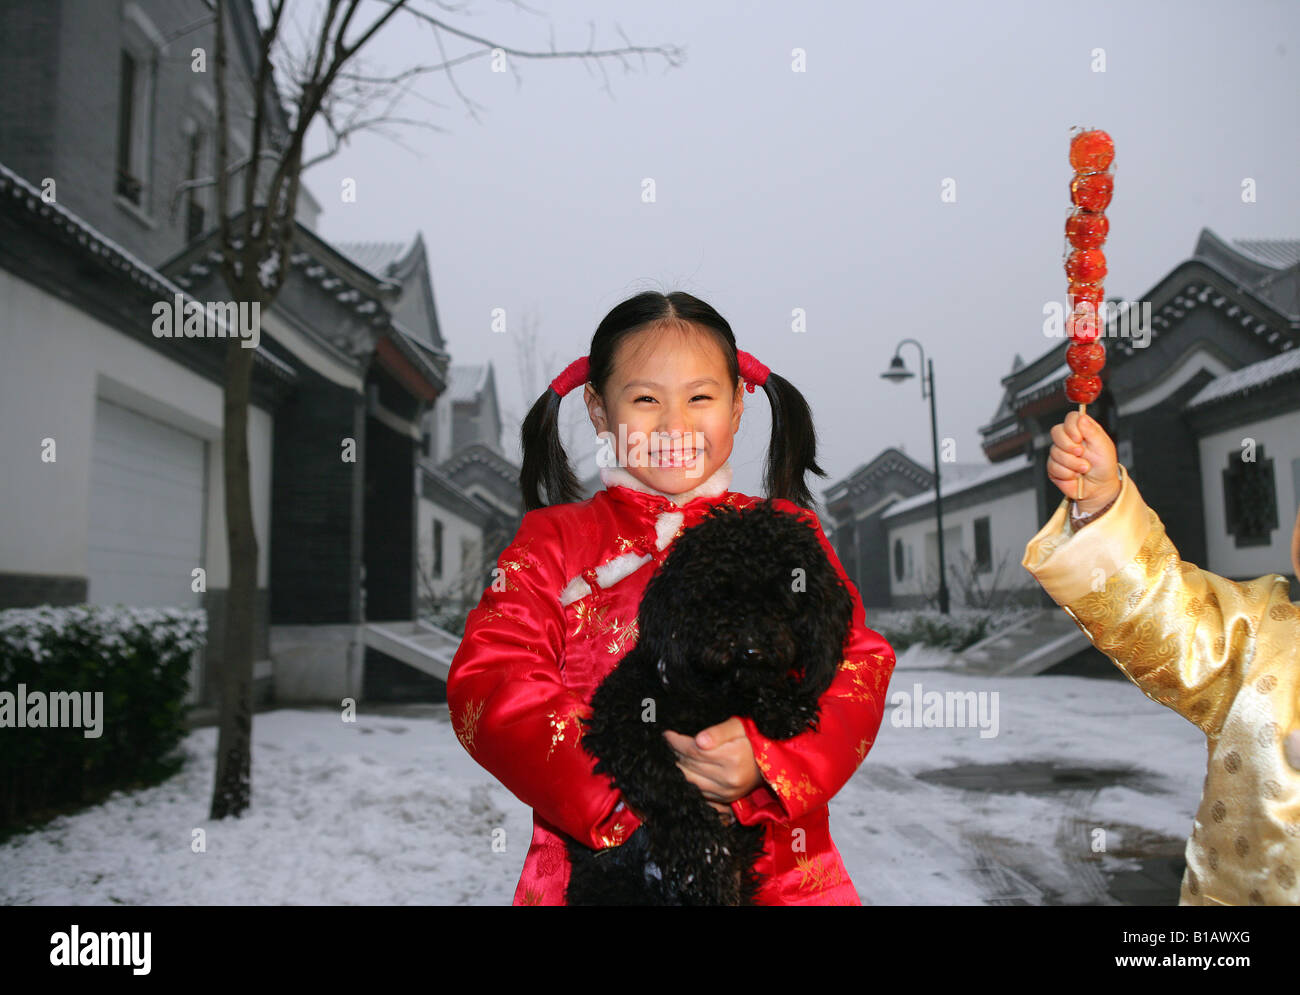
<point>138,659</point>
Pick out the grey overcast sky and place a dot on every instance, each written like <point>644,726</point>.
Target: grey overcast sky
<point>820,189</point>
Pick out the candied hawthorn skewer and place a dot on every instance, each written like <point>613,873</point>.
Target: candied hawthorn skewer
<point>1091,155</point>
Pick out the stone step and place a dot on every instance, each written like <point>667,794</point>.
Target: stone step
<point>1033,645</point>
<point>416,643</point>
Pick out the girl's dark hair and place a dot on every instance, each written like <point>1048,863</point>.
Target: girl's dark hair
<point>791,453</point>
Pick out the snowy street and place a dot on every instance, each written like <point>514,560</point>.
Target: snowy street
<point>390,810</point>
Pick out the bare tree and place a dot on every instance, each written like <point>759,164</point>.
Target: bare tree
<point>321,80</point>
<point>966,578</point>
<point>535,371</point>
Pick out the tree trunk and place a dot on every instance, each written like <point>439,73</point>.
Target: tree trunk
<point>231,791</point>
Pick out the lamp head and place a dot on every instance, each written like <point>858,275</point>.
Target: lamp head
<point>897,371</point>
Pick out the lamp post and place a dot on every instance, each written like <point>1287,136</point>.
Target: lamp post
<point>897,373</point>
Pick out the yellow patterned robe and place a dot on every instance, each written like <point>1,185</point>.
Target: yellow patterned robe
<point>1225,656</point>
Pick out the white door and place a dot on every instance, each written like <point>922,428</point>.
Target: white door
<point>146,513</point>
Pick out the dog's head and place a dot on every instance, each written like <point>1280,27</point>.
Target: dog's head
<point>747,608</point>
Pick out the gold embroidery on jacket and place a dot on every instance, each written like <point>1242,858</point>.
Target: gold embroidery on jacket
<point>520,562</point>
<point>591,617</point>
<point>624,636</point>
<point>868,684</point>
<point>531,897</point>
<point>495,613</point>
<point>816,872</point>
<point>862,749</point>
<point>468,724</point>
<point>616,837</point>
<point>863,680</point>
<point>801,791</point>
<point>565,728</point>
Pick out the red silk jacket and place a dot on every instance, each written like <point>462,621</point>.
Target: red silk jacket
<point>561,614</point>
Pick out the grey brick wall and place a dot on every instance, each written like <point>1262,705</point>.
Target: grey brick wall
<point>60,66</point>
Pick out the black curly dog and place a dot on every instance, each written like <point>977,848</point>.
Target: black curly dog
<point>746,616</point>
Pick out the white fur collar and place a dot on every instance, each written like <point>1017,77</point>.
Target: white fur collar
<point>666,525</point>
<point>713,485</point>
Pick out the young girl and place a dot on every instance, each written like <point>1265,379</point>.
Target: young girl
<point>664,389</point>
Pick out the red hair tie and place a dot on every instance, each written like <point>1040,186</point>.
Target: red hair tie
<point>574,375</point>
<point>752,370</point>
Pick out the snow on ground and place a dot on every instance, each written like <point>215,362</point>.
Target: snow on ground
<point>391,810</point>
<point>909,842</point>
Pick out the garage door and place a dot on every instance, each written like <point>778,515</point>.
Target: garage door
<point>146,510</point>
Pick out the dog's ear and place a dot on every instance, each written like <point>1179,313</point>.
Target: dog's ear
<point>823,628</point>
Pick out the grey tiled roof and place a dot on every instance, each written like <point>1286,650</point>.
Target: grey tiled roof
<point>1286,365</point>
<point>1277,252</point>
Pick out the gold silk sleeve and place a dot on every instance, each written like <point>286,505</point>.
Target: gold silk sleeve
<point>1186,637</point>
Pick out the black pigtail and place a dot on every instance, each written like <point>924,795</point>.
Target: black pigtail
<point>546,464</point>
<point>792,451</point>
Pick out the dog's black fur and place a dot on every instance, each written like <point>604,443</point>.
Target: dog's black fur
<point>724,629</point>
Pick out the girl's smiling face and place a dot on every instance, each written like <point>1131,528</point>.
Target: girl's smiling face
<point>676,405</point>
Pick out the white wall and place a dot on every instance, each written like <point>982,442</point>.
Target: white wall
<point>1012,522</point>
<point>54,361</point>
<point>1280,439</point>
<point>456,533</point>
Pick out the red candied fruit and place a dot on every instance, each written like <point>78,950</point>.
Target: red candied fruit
<point>1090,293</point>
<point>1086,229</point>
<point>1086,266</point>
<point>1086,357</point>
<point>1092,191</point>
<point>1091,151</point>
<point>1082,388</point>
<point>1083,327</point>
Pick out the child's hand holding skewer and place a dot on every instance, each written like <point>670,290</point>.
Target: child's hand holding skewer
<point>1082,449</point>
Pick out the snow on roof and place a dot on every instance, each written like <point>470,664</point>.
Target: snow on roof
<point>963,482</point>
<point>1248,378</point>
<point>374,257</point>
<point>1057,373</point>
<point>466,380</point>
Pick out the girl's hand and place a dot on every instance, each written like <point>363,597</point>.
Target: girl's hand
<point>719,761</point>
<point>1080,445</point>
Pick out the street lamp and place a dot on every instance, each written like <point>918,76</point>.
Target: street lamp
<point>897,373</point>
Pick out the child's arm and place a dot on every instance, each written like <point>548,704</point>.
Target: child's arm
<point>1185,636</point>
<point>509,705</point>
<point>804,772</point>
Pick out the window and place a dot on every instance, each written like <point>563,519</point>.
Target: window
<point>437,548</point>
<point>134,115</point>
<point>983,546</point>
<point>1250,498</point>
<point>194,213</point>
<point>898,559</point>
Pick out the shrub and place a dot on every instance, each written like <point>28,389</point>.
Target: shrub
<point>138,658</point>
<point>955,631</point>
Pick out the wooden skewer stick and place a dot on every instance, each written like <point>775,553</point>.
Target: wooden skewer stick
<point>1078,494</point>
